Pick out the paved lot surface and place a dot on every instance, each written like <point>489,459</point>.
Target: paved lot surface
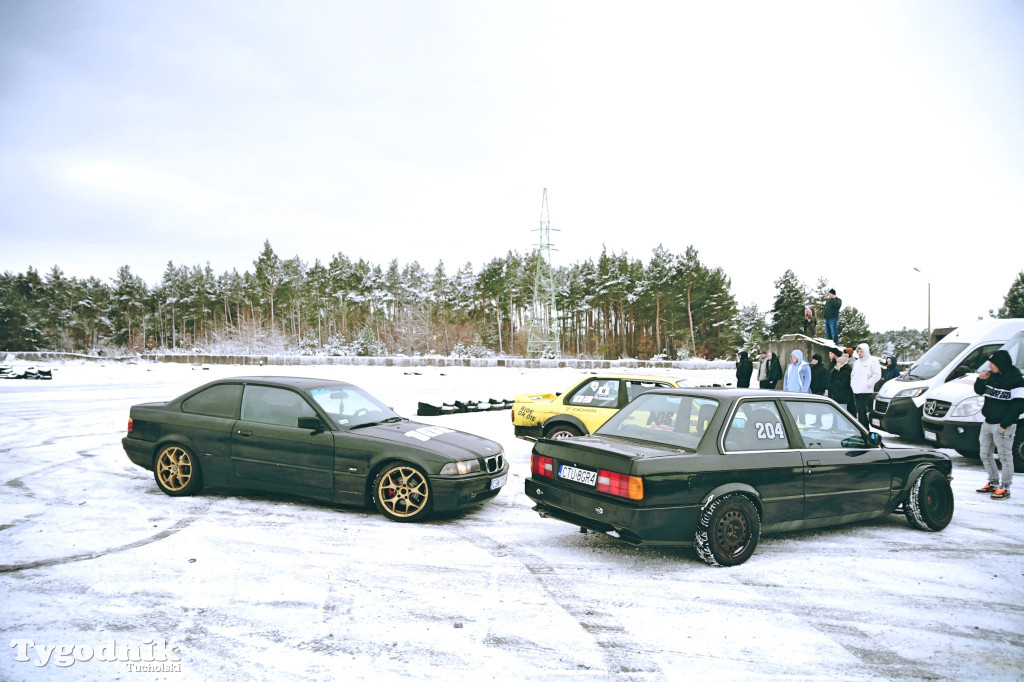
<point>252,586</point>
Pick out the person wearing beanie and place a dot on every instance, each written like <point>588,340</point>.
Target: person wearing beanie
<point>865,373</point>
<point>744,368</point>
<point>831,314</point>
<point>819,376</point>
<point>839,384</point>
<point>1003,388</point>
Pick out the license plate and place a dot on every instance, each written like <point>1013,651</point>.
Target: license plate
<point>875,422</point>
<point>577,475</point>
<point>498,482</point>
<point>928,435</point>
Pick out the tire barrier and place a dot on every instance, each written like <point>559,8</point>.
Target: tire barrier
<point>458,407</point>
<point>31,373</point>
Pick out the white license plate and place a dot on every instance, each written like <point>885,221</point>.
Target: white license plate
<point>928,435</point>
<point>875,422</point>
<point>578,475</point>
<point>498,482</point>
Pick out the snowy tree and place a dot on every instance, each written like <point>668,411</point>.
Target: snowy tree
<point>1013,302</point>
<point>788,309</point>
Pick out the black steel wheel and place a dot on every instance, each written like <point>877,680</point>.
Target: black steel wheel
<point>728,530</point>
<point>929,505</point>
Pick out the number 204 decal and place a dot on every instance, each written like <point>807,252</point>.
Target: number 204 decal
<point>769,431</point>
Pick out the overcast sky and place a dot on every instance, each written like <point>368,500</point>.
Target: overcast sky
<point>854,141</point>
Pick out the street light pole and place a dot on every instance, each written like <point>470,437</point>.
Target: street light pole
<point>929,300</point>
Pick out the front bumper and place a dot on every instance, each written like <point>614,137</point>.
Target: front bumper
<point>457,492</point>
<point>530,433</point>
<point>899,416</point>
<point>636,525</point>
<point>961,436</point>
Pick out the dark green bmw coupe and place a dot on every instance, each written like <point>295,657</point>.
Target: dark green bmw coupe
<point>325,440</point>
<point>717,467</point>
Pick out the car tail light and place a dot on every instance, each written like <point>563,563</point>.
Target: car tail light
<point>631,487</point>
<point>131,424</point>
<point>542,466</point>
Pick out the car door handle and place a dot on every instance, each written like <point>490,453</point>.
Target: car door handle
<point>811,463</point>
<point>244,434</point>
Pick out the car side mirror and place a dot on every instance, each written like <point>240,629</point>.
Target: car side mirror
<point>314,424</point>
<point>874,439</point>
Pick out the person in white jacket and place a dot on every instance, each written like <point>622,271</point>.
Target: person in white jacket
<point>865,374</point>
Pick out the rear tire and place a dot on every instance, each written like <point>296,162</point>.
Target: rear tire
<point>562,431</point>
<point>929,505</point>
<point>728,530</point>
<point>177,472</point>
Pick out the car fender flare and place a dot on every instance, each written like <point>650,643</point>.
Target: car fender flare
<point>915,474</point>
<point>566,419</point>
<point>727,488</point>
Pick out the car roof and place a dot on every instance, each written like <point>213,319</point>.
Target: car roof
<point>301,383</point>
<point>733,394</point>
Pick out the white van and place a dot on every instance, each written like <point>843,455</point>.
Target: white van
<point>952,412</point>
<point>898,405</point>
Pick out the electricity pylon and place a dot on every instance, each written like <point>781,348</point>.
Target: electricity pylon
<point>543,341</point>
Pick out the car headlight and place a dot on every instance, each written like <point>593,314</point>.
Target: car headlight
<point>466,466</point>
<point>968,408</point>
<point>910,392</point>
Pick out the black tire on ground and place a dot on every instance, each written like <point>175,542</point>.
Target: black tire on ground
<point>401,492</point>
<point>912,430</point>
<point>929,506</point>
<point>727,530</point>
<point>560,431</point>
<point>176,471</point>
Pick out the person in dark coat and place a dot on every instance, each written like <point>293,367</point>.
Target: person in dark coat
<point>819,376</point>
<point>810,322</point>
<point>773,371</point>
<point>891,369</point>
<point>839,384</point>
<point>744,368</point>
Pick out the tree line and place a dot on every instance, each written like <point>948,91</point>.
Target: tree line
<point>674,306</point>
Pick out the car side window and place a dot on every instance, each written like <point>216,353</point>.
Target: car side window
<point>823,426</point>
<point>756,425</point>
<point>597,393</point>
<point>270,405</point>
<point>635,388</point>
<point>217,401</point>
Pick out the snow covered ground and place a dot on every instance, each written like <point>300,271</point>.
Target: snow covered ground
<point>94,559</point>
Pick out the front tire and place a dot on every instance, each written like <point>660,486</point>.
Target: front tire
<point>929,506</point>
<point>177,472</point>
<point>401,492</point>
<point>728,530</point>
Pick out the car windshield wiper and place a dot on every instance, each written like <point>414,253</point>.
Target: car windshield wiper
<point>389,420</point>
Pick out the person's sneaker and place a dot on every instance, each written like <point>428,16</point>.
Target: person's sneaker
<point>1000,494</point>
<point>989,488</point>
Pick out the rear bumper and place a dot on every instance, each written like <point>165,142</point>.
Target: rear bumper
<point>530,433</point>
<point>139,451</point>
<point>961,436</point>
<point>636,525</point>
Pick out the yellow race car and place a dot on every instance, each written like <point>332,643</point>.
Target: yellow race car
<point>588,404</point>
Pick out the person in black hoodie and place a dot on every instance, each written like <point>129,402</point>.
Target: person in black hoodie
<point>773,371</point>
<point>819,376</point>
<point>744,368</point>
<point>1003,388</point>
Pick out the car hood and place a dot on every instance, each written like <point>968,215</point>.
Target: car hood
<point>440,440</point>
<point>954,391</point>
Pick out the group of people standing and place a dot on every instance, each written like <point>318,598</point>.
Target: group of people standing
<point>850,378</point>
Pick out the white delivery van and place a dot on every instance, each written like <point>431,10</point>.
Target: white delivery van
<point>898,405</point>
<point>952,412</point>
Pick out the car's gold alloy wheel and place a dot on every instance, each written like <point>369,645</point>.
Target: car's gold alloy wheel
<point>403,491</point>
<point>174,467</point>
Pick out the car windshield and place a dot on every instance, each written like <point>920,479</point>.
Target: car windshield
<point>351,406</point>
<point>932,362</point>
<point>669,419</point>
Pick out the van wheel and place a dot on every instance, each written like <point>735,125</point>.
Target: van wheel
<point>1018,449</point>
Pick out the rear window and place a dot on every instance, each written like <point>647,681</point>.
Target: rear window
<point>216,401</point>
<point>677,420</point>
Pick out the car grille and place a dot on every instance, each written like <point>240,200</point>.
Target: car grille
<point>936,408</point>
<point>494,464</point>
<point>881,406</point>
